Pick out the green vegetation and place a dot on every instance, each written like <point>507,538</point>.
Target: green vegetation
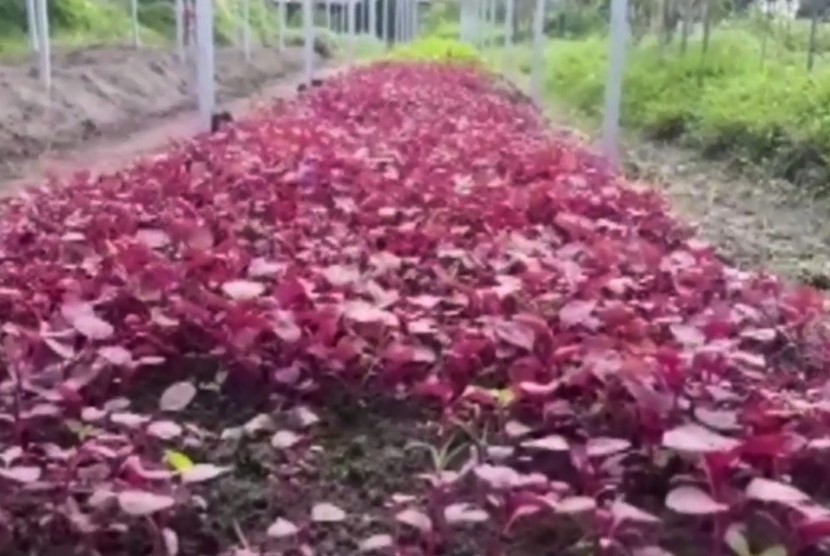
<point>740,97</point>
<point>75,22</point>
<point>748,95</point>
<point>439,50</point>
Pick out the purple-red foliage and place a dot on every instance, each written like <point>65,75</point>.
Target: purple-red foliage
<point>414,227</point>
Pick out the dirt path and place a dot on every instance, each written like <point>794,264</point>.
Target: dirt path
<point>132,134</point>
<point>756,222</point>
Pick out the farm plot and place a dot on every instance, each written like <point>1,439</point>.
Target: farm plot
<point>397,315</point>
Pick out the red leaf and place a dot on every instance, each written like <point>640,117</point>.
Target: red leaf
<point>696,439</point>
<point>578,313</point>
<point>516,334</point>
<point>363,312</point>
<point>140,503</point>
<point>93,327</point>
<point>285,327</point>
<point>177,397</point>
<point>241,290</point>
<point>693,501</point>
<point>766,490</point>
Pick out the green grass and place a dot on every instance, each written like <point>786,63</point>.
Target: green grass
<point>437,49</point>
<point>766,110</point>
<point>84,22</point>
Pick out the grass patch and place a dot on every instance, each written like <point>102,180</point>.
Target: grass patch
<point>751,99</point>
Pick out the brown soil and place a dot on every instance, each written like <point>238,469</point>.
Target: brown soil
<point>101,96</point>
<point>756,222</point>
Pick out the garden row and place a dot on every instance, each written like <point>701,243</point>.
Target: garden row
<point>748,96</point>
<point>410,232</point>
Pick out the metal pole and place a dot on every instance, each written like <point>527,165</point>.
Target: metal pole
<point>508,23</point>
<point>416,18</point>
<point>246,29</point>
<point>613,87</point>
<point>398,20</point>
<point>409,19</point>
<point>412,11</point>
<point>308,40</point>
<point>538,48</point>
<point>373,18</point>
<point>281,9</point>
<point>45,59</point>
<point>337,17</point>
<point>205,62</point>
<point>464,24</point>
<point>385,24</point>
<point>328,16</point>
<point>477,23</point>
<point>134,13</point>
<point>404,19</point>
<point>178,7</point>
<point>352,7</point>
<point>494,16</point>
<point>31,25</point>
<point>485,12</point>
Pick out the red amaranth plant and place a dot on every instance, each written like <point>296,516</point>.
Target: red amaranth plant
<point>411,230</point>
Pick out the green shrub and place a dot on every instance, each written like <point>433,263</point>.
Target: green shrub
<point>438,50</point>
<point>726,100</point>
<point>96,21</point>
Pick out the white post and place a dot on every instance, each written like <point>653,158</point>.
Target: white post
<point>409,20</point>
<point>178,7</point>
<point>246,29</point>
<point>308,40</point>
<point>134,14</point>
<point>613,87</point>
<point>31,25</point>
<point>538,50</point>
<point>385,25</point>
<point>476,22</point>
<point>361,16</point>
<point>373,18</point>
<point>494,16</point>
<point>464,24</point>
<point>508,23</point>
<point>281,9</point>
<point>398,20</point>
<point>205,62</point>
<point>328,16</point>
<point>416,18</point>
<point>485,19</point>
<point>352,7</point>
<point>404,7</point>
<point>413,5</point>
<point>43,39</point>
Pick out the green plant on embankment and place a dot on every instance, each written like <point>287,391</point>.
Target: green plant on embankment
<point>750,100</point>
<point>437,50</point>
<point>84,22</point>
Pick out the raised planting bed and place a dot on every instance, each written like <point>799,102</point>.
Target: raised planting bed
<point>396,315</point>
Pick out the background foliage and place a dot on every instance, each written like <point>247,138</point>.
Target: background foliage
<point>99,21</point>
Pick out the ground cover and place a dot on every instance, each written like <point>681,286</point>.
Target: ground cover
<point>397,315</point>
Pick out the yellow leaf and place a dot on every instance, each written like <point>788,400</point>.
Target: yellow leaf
<point>178,461</point>
<point>504,396</point>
